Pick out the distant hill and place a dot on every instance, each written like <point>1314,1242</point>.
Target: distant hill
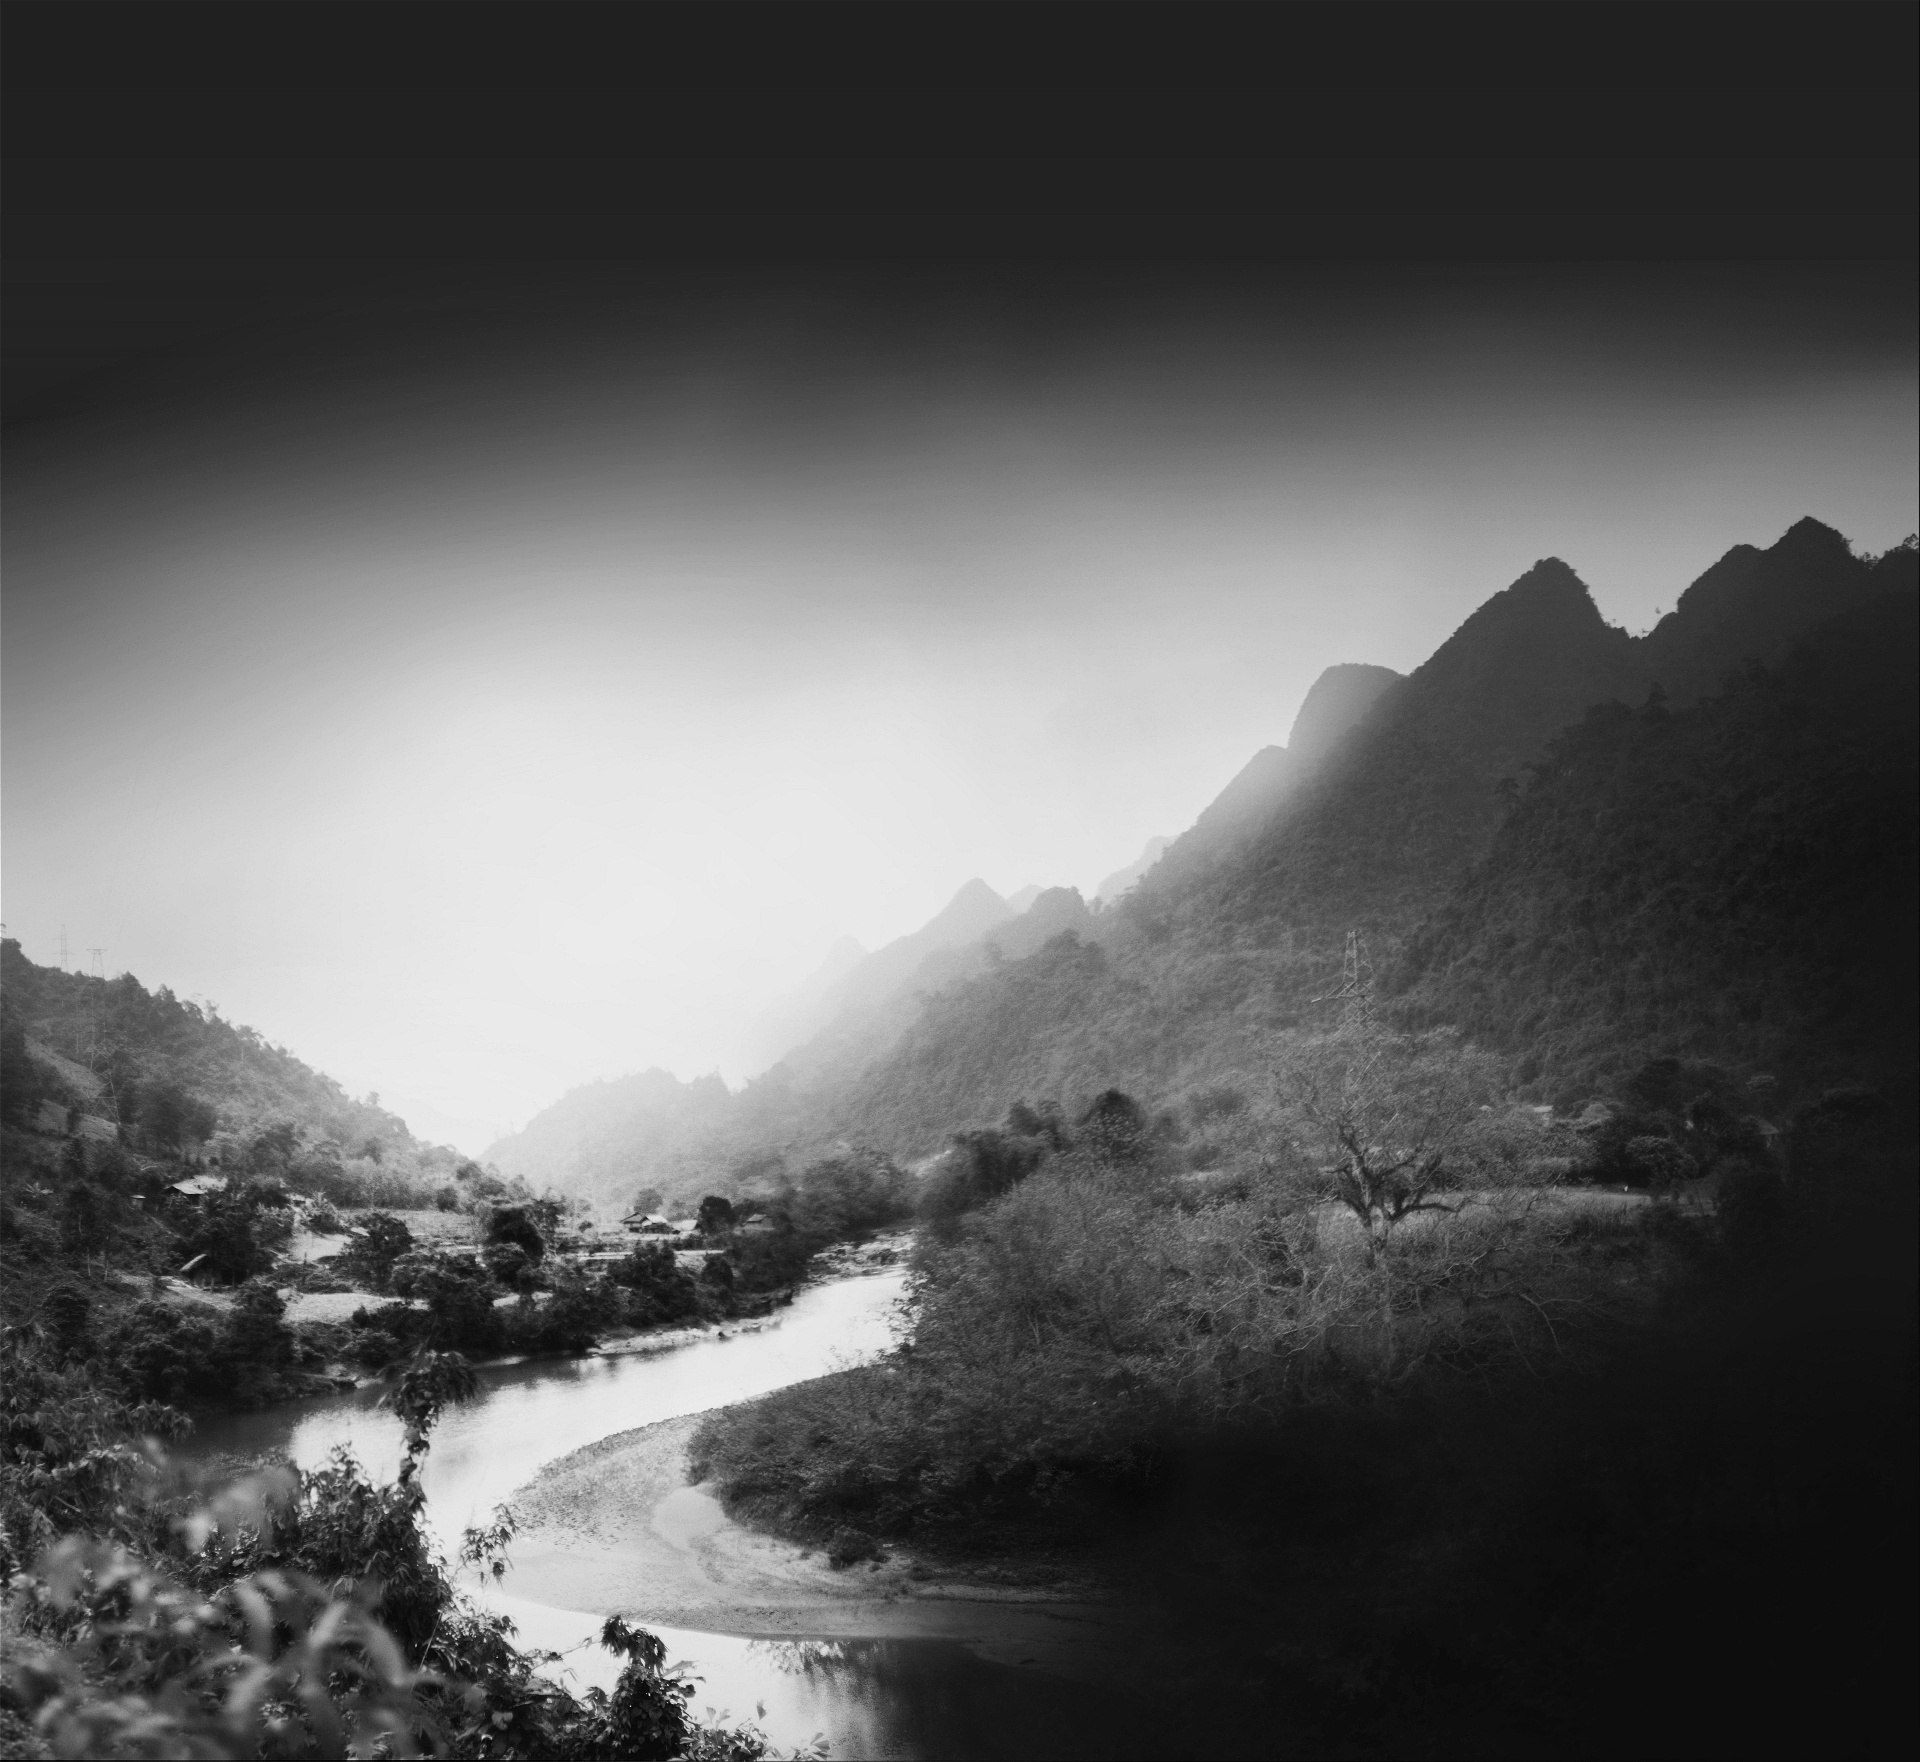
<point>806,1009</point>
<point>1339,701</point>
<point>1121,880</point>
<point>1441,815</point>
<point>608,1140</point>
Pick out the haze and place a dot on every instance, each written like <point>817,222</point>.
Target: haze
<point>481,707</point>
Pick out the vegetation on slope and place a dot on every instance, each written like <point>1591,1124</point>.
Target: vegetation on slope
<point>1732,882</point>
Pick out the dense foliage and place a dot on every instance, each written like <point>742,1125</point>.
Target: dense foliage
<point>1733,881</point>
<point>289,1614</point>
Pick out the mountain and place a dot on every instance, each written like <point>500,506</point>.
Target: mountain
<point>1383,813</point>
<point>1176,990</point>
<point>1732,882</point>
<point>1056,910</point>
<point>1122,879</point>
<point>607,1140</point>
<point>1753,605</point>
<point>1338,702</point>
<point>1018,902</point>
<point>806,1009</point>
<point>851,983</point>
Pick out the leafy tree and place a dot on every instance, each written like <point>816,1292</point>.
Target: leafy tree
<point>715,1216</point>
<point>273,1147</point>
<point>978,1167</point>
<point>22,1086</point>
<point>163,1114</point>
<point>662,1291</point>
<point>515,1224</point>
<point>1659,1163</point>
<point>82,1220</point>
<point>374,1246</point>
<point>512,1265</point>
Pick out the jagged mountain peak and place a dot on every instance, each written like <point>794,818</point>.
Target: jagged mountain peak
<point>1545,621</point>
<point>1550,589</point>
<point>1752,604</point>
<point>1810,537</point>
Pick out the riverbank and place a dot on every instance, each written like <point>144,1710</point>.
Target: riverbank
<point>619,1528</point>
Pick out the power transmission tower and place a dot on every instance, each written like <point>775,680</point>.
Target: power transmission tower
<point>93,1039</point>
<point>1358,1024</point>
<point>63,948</point>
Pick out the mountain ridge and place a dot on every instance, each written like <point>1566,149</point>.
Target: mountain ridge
<point>1213,948</point>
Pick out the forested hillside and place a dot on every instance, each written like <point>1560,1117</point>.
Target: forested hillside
<point>116,1050</point>
<point>1735,835</point>
<point>1732,882</point>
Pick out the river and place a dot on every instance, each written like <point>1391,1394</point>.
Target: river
<point>888,1692</point>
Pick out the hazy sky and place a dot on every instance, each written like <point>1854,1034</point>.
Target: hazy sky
<point>481,701</point>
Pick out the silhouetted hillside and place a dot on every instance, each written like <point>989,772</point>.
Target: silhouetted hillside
<point>1399,792</point>
<point>1732,882</point>
<point>1752,605</point>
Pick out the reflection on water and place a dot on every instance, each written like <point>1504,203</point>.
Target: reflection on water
<point>527,1415</point>
<point>922,1699</point>
<point>918,1698</point>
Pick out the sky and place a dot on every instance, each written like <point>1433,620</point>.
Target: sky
<point>490,692</point>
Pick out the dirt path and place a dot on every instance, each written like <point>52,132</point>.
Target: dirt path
<point>616,1528</point>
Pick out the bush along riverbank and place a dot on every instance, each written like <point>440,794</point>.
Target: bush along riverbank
<point>290,1613</point>
<point>1480,1462</point>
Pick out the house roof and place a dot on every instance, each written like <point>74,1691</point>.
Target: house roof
<point>196,1185</point>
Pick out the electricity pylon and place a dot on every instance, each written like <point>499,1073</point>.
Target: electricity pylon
<point>1358,1025</point>
<point>100,973</point>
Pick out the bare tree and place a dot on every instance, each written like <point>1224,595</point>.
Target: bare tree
<point>1379,1115</point>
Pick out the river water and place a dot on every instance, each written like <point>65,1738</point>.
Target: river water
<point>877,1696</point>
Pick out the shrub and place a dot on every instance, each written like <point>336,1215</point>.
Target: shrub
<point>373,1248</point>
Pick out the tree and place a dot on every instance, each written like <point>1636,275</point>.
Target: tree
<point>514,1223</point>
<point>512,1265</point>
<point>229,1237</point>
<point>715,1216</point>
<point>163,1114</point>
<point>1378,1117</point>
<point>375,1246</point>
<point>21,1082</point>
<point>273,1146</point>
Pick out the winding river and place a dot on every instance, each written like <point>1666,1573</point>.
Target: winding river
<point>889,1690</point>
